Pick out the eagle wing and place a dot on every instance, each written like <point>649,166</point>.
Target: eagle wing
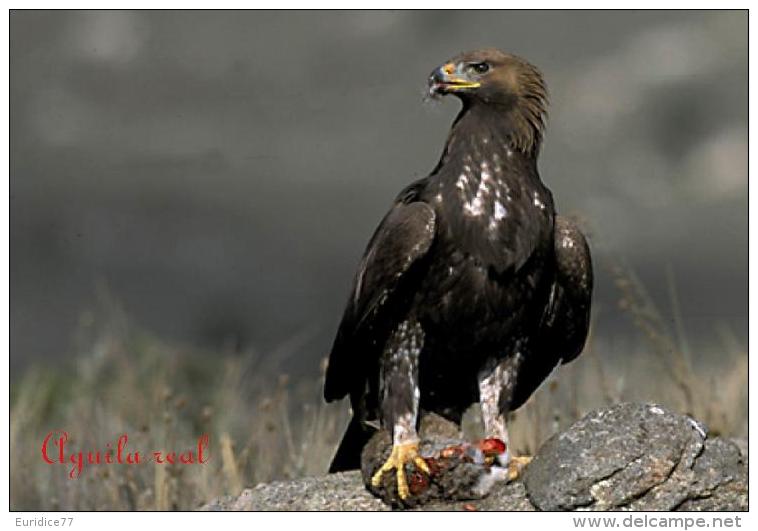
<point>570,315</point>
<point>393,253</point>
<point>566,321</point>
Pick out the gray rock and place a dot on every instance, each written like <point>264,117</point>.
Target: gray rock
<point>627,457</point>
<point>637,457</point>
<point>742,444</point>
<point>333,492</point>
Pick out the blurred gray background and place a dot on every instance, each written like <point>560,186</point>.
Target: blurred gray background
<point>221,172</point>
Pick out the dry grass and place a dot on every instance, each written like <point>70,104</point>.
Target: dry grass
<point>661,368</point>
<point>165,397</point>
<point>713,392</point>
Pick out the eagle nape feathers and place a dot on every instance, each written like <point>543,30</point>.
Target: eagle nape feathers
<point>472,288</point>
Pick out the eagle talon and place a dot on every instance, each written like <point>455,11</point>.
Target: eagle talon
<point>401,455</point>
<point>516,466</point>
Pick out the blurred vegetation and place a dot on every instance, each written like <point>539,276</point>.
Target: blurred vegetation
<point>263,426</point>
<point>164,397</point>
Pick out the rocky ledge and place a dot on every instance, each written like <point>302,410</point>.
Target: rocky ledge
<point>626,457</point>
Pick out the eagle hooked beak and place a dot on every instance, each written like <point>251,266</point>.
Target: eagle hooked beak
<point>449,78</point>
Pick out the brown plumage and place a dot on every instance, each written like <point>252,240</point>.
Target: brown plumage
<point>513,84</point>
<point>471,288</point>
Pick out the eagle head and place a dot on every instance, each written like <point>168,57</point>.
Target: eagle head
<point>500,80</point>
<point>488,75</point>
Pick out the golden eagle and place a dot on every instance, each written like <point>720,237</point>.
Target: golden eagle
<point>472,288</point>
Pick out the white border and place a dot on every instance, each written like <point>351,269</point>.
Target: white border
<point>334,521</point>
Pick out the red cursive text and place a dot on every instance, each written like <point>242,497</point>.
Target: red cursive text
<point>55,451</point>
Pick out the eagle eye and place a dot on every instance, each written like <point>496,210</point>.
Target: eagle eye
<point>479,68</point>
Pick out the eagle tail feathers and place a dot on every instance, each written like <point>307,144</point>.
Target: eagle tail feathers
<point>348,455</point>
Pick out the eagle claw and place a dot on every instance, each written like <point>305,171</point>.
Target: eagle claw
<point>401,455</point>
<point>516,466</point>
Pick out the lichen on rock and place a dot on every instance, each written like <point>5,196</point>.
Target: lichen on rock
<point>636,457</point>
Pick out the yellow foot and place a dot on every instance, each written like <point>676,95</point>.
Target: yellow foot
<point>400,456</point>
<point>516,465</point>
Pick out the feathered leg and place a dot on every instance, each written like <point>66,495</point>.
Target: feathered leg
<point>495,394</point>
<point>400,399</point>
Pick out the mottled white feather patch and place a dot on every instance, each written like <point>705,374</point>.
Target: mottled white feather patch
<point>538,201</point>
<point>500,211</point>
<point>475,207</point>
<point>404,431</point>
<point>462,181</point>
<point>490,387</point>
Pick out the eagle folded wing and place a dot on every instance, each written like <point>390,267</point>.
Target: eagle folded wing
<point>401,240</point>
<point>575,278</point>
